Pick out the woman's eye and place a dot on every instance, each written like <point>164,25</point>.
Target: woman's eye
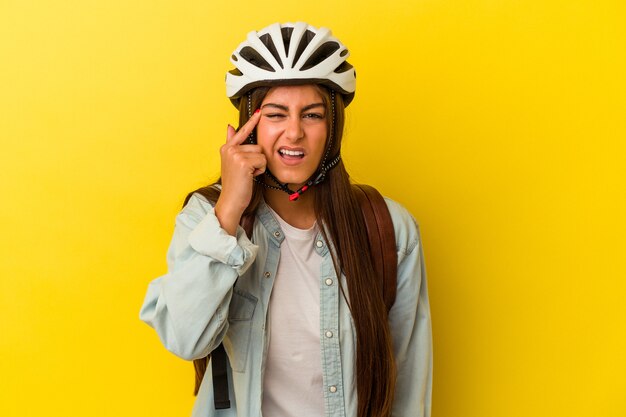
<point>275,115</point>
<point>313,116</point>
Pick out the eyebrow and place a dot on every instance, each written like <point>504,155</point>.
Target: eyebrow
<point>285,108</point>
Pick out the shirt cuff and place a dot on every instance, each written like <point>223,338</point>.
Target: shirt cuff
<point>210,239</point>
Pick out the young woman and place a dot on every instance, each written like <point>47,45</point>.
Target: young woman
<point>297,305</point>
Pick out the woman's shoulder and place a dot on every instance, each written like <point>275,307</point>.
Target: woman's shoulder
<point>405,227</point>
<point>197,204</point>
<point>197,199</point>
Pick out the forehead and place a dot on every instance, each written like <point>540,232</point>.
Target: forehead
<point>294,95</point>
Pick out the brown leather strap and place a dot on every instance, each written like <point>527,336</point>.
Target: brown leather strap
<point>382,239</point>
<point>200,366</point>
<point>247,222</point>
<point>372,232</point>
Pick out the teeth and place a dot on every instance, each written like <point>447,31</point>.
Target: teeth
<point>291,153</point>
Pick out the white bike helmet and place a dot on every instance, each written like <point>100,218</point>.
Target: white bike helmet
<point>290,54</point>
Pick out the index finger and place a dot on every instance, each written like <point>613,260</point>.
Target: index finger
<point>246,129</point>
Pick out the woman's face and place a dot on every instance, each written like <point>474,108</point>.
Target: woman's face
<point>292,132</point>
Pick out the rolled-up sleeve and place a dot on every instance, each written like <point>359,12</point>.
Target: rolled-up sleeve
<point>188,306</point>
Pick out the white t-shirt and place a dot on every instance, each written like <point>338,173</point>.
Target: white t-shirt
<point>292,384</point>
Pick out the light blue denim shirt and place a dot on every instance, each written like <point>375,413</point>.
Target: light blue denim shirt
<point>218,288</point>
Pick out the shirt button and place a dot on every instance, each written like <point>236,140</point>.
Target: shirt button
<point>329,281</point>
<point>319,243</point>
<point>267,274</point>
<point>332,388</point>
<point>329,334</point>
<point>277,233</point>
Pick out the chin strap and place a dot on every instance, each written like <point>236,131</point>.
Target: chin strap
<point>314,180</point>
<point>321,172</point>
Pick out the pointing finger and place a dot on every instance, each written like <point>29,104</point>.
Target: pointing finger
<point>246,129</point>
<point>230,132</point>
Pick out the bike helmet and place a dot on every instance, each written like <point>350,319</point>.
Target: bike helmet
<point>290,54</point>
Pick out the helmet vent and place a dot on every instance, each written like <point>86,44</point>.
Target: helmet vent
<point>345,66</point>
<point>269,43</point>
<point>310,56</point>
<point>286,38</point>
<point>323,52</point>
<point>306,39</point>
<point>253,57</point>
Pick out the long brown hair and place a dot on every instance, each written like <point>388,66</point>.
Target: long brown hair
<point>339,212</point>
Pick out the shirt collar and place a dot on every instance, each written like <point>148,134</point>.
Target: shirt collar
<point>276,233</point>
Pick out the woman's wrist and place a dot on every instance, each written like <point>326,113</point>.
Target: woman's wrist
<point>228,216</point>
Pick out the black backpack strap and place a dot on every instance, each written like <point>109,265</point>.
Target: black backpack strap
<point>220,378</point>
<point>382,239</point>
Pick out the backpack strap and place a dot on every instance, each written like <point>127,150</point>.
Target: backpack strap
<point>220,378</point>
<point>381,237</point>
<point>247,222</point>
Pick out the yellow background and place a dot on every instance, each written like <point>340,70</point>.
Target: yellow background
<point>499,124</point>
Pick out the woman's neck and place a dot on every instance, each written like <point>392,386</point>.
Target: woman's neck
<point>299,213</point>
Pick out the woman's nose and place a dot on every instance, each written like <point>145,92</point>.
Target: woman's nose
<point>294,129</point>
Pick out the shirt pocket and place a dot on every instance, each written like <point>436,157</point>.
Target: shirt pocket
<point>237,340</point>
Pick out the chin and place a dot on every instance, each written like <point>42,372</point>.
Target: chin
<point>294,180</point>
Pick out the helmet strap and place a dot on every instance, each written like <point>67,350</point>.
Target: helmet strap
<point>251,139</point>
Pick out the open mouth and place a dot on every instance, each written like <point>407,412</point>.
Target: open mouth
<point>291,154</point>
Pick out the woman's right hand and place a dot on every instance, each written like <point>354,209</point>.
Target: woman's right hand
<point>240,164</point>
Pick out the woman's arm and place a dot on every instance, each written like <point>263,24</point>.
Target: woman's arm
<point>188,307</point>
